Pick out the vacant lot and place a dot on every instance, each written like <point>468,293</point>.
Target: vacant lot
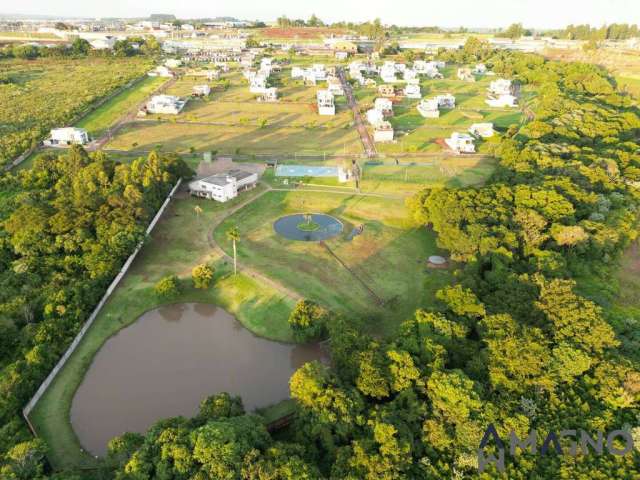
<point>231,120</point>
<point>389,256</point>
<point>105,116</point>
<point>50,92</point>
<point>181,137</point>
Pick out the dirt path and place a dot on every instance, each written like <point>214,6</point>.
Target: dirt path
<point>128,117</point>
<point>367,142</point>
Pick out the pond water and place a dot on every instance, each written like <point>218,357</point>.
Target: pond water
<point>170,360</point>
<point>287,226</point>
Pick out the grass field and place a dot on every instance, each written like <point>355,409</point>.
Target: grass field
<point>233,121</point>
<point>389,256</point>
<point>179,242</point>
<point>180,137</point>
<point>97,122</point>
<point>51,92</point>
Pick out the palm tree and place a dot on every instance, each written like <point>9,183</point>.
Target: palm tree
<point>233,234</point>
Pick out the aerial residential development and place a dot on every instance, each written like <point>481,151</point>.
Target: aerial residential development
<point>359,241</point>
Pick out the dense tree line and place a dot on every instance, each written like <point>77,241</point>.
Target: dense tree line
<point>67,227</point>
<point>615,31</point>
<point>512,343</point>
<point>80,47</point>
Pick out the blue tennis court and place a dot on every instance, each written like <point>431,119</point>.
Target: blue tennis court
<point>305,171</point>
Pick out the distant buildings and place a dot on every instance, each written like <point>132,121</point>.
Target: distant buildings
<point>384,105</point>
<point>480,69</point>
<point>270,95</point>
<point>222,187</point>
<point>461,143</point>
<point>500,86</point>
<point>67,136</point>
<point>386,91</point>
<point>374,116</point>
<point>165,104</point>
<point>103,43</point>
<point>326,103</point>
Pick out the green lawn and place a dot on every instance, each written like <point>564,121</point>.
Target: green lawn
<point>110,112</point>
<point>389,256</point>
<point>179,242</point>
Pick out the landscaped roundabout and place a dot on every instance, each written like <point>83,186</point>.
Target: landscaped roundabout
<point>308,227</point>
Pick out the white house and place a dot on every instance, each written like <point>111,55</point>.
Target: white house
<point>160,71</point>
<point>374,116</point>
<point>461,143</point>
<point>103,43</point>
<point>388,72</point>
<point>342,55</point>
<point>484,130</point>
<point>384,105</point>
<point>173,63</point>
<point>429,108</point>
<point>309,77</point>
<point>269,95</point>
<point>480,69</point>
<point>410,76</point>
<point>67,136</point>
<point>167,104</point>
<point>500,87</point>
<point>201,90</point>
<point>213,74</point>
<point>465,74</point>
<point>297,72</point>
<point>446,101</point>
<point>319,71</point>
<point>326,104</point>
<point>258,83</point>
<point>223,186</point>
<point>383,132</point>
<point>502,101</point>
<point>412,90</point>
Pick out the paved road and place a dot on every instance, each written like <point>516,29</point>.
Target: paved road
<point>367,142</point>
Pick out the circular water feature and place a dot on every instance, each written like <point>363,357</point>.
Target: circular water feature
<point>172,358</point>
<point>313,227</point>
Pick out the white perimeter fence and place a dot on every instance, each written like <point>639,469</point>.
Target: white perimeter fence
<point>76,341</point>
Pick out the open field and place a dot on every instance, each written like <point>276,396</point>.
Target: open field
<point>105,116</point>
<point>51,92</point>
<point>231,120</point>
<point>180,137</point>
<point>179,242</point>
<point>389,256</point>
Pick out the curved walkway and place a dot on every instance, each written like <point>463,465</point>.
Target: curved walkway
<point>243,268</point>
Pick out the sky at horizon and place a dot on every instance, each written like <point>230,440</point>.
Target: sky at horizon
<point>452,13</point>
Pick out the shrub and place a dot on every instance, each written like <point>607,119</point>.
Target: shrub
<point>308,320</point>
<point>167,287</point>
<point>202,276</point>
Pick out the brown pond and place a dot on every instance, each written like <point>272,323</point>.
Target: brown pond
<point>169,360</point>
